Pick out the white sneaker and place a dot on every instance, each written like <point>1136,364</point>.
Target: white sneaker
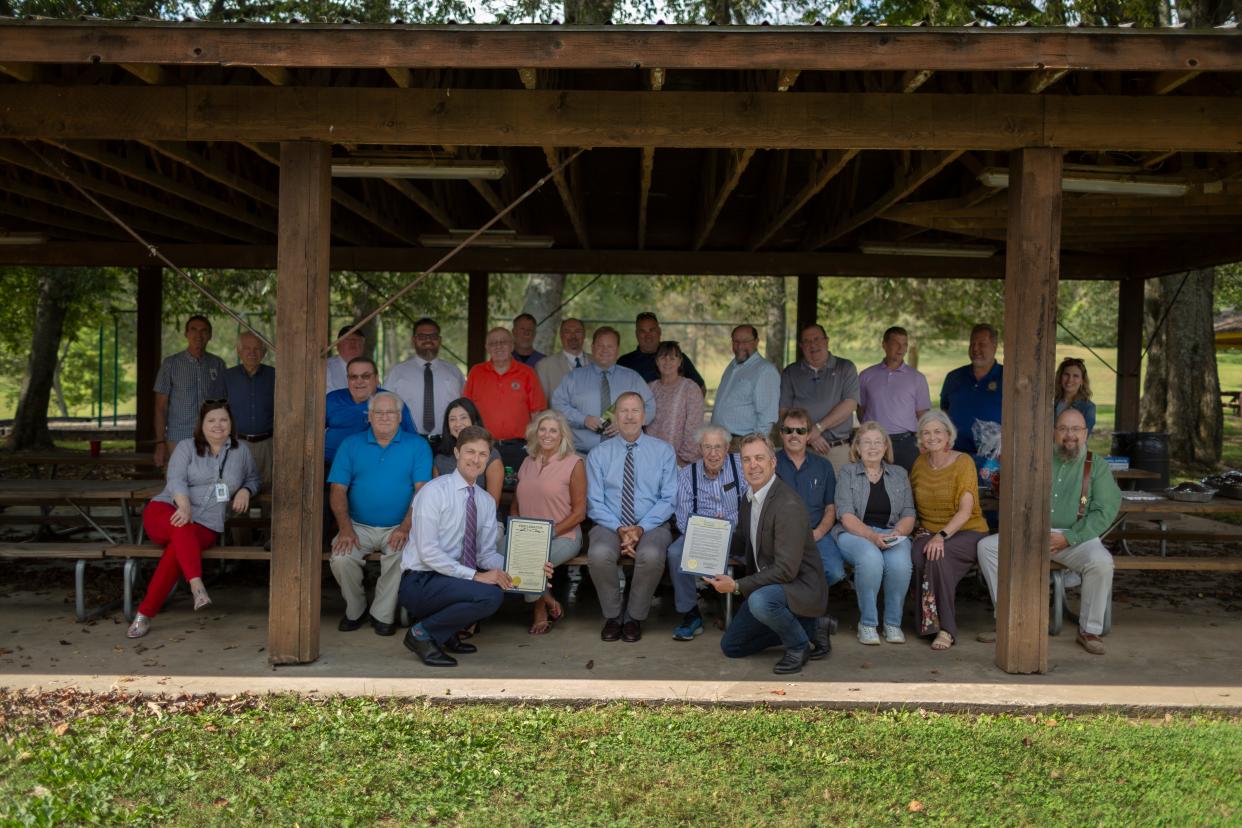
<point>868,635</point>
<point>894,635</point>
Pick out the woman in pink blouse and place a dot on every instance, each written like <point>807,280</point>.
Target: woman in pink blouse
<point>679,405</point>
<point>552,486</point>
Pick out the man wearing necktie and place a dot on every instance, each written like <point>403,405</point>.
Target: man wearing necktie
<point>585,395</point>
<point>554,368</point>
<point>425,382</point>
<point>452,575</point>
<point>631,489</point>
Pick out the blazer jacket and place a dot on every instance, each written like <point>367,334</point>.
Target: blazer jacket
<point>787,553</point>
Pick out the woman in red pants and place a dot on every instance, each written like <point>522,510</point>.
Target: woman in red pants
<point>207,473</point>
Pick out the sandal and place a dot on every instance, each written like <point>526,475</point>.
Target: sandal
<point>140,627</point>
<point>555,611</point>
<point>201,599</point>
<point>943,641</point>
<point>542,623</point>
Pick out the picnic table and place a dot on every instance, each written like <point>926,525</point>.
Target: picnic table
<point>81,495</point>
<point>55,458</point>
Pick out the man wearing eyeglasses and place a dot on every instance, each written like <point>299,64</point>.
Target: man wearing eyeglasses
<point>812,477</point>
<point>1085,501</point>
<point>826,386</point>
<point>750,389</point>
<point>425,382</point>
<point>347,407</point>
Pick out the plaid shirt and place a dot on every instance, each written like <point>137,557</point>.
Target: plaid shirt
<point>187,382</point>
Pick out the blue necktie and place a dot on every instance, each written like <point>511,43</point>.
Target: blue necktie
<point>468,538</point>
<point>627,488</point>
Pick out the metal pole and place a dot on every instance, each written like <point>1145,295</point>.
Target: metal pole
<point>99,384</point>
<point>116,364</point>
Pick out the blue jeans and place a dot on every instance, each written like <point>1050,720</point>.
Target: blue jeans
<point>763,621</point>
<point>830,554</point>
<point>685,586</point>
<point>873,568</point>
<point>444,604</point>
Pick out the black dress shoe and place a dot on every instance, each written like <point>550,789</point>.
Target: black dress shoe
<point>381,628</point>
<point>792,661</point>
<point>612,630</point>
<point>428,651</point>
<point>456,645</point>
<point>821,644</point>
<point>631,631</point>
<point>350,624</point>
<point>832,624</point>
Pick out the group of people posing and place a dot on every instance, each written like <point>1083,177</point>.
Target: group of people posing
<point>615,447</point>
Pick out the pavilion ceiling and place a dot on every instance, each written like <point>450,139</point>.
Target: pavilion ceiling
<point>751,150</point>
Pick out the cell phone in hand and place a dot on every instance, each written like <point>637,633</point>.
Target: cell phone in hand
<point>890,540</point>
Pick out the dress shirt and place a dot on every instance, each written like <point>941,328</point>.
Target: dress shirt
<point>346,417</point>
<point>505,401</point>
<point>195,476</point>
<point>338,374</point>
<point>756,499</point>
<point>252,399</point>
<point>381,479</point>
<point>718,497</point>
<point>556,367</point>
<point>815,482</point>
<point>645,365</point>
<point>655,484</point>
<point>1103,498</point>
<point>967,400</point>
<point>532,359</point>
<point>819,391</point>
<point>188,382</point>
<point>893,398</point>
<point>748,397</point>
<point>577,397</point>
<point>435,540</point>
<point>406,380</point>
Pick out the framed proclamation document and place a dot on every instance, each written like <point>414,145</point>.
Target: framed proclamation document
<point>706,548</point>
<point>527,546</point>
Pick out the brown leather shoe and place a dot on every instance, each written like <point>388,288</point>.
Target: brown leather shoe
<point>631,631</point>
<point>1091,643</point>
<point>612,630</point>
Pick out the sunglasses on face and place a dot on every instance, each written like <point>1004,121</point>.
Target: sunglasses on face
<point>794,429</point>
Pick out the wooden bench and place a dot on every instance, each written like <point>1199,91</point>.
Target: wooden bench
<point>80,553</point>
<point>1233,400</point>
<point>1131,563</point>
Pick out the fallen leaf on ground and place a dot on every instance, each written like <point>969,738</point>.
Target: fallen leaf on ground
<point>915,807</point>
<point>61,729</point>
<point>777,692</point>
<point>590,665</point>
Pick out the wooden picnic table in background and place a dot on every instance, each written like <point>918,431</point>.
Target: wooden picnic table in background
<point>79,494</point>
<point>141,461</point>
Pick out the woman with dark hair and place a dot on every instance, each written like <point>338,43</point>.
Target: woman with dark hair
<point>207,474</point>
<point>459,414</point>
<point>1073,390</point>
<point>679,404</point>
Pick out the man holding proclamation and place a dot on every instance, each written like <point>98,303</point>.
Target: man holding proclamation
<point>712,487</point>
<point>452,576</point>
<point>631,488</point>
<point>784,587</point>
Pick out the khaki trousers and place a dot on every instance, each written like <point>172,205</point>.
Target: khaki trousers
<point>348,571</point>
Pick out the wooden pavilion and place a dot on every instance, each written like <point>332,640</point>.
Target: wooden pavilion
<point>1025,154</point>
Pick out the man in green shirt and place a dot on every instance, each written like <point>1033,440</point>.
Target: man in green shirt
<point>1075,540</point>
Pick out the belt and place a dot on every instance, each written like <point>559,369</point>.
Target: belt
<point>902,435</point>
<point>835,443</point>
<point>255,438</point>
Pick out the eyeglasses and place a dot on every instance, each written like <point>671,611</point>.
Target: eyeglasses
<point>871,444</point>
<point>376,413</point>
<point>794,429</point>
<point>1070,429</point>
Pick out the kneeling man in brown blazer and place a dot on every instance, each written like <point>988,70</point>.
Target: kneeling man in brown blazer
<point>784,586</point>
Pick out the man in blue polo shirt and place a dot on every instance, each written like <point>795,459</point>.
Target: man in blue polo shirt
<point>346,412</point>
<point>811,476</point>
<point>373,480</point>
<point>973,392</point>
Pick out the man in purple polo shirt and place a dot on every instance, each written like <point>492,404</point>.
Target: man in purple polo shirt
<point>895,396</point>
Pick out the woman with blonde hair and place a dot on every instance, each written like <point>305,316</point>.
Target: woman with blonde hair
<point>552,486</point>
<point>875,516</point>
<point>1073,390</point>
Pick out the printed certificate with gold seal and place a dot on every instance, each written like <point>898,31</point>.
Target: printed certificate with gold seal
<point>527,547</point>
<point>706,548</point>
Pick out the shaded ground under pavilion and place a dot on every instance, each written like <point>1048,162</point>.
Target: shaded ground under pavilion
<point>1024,154</point>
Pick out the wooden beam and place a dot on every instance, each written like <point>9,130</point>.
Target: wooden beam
<point>1187,254</point>
<point>913,79</point>
<point>214,170</point>
<point>148,346</point>
<point>825,48</point>
<point>494,201</point>
<point>496,260</point>
<point>827,165</point>
<point>301,331</point>
<point>151,73</point>
<point>1040,80</point>
<point>39,214</point>
<point>361,208</point>
<point>477,317</point>
<point>901,189</point>
<point>645,173</point>
<point>786,79</point>
<point>161,227</point>
<point>424,202</point>
<point>275,75</point>
<point>808,301</point>
<point>1032,271</point>
<point>502,117</point>
<point>553,156</point>
<point>739,160</point>
<point>400,75</point>
<point>1166,82</point>
<point>24,72</point>
<point>1129,354</point>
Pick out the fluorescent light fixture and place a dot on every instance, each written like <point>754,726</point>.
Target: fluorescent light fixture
<point>1076,182</point>
<point>22,238</point>
<point>356,167</point>
<point>949,251</point>
<point>489,238</point>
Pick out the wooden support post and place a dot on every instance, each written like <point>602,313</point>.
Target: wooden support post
<point>1032,270</point>
<point>1129,353</point>
<point>476,318</point>
<point>301,332</point>
<point>808,301</point>
<point>148,329</point>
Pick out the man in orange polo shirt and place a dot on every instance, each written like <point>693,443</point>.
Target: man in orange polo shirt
<point>507,393</point>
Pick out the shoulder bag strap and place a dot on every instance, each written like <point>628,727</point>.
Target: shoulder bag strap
<point>1086,485</point>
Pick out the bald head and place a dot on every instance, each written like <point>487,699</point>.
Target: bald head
<point>250,350</point>
<point>1070,436</point>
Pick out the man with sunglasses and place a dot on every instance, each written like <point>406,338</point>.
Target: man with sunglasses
<point>425,382</point>
<point>346,412</point>
<point>812,477</point>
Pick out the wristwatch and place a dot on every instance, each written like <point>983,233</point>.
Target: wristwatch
<point>943,534</point>
<point>737,590</point>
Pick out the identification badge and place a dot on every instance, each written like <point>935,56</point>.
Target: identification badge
<point>222,493</point>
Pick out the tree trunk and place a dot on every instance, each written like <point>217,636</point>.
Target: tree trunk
<point>544,292</point>
<point>57,287</point>
<point>60,394</point>
<point>1181,392</point>
<point>588,12</point>
<point>774,342</point>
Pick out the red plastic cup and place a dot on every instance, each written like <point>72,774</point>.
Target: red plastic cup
<point>96,446</point>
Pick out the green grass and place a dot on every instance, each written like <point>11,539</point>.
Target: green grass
<point>283,760</point>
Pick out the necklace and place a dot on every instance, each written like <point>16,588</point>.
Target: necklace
<point>874,475</point>
<point>931,462</point>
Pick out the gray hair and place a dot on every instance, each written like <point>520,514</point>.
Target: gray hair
<point>709,429</point>
<point>387,395</point>
<point>936,415</point>
<point>757,437</point>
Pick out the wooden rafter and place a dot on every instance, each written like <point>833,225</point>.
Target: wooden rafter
<point>151,73</point>
<point>913,79</point>
<point>361,208</point>
<point>424,202</point>
<point>214,170</point>
<point>530,80</point>
<point>275,75</point>
<point>646,167</point>
<point>24,72</point>
<point>928,166</point>
<point>1166,82</point>
<point>38,214</point>
<point>827,165</point>
<point>57,198</point>
<point>1038,81</point>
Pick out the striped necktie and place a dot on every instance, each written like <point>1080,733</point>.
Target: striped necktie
<point>627,488</point>
<point>468,557</point>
